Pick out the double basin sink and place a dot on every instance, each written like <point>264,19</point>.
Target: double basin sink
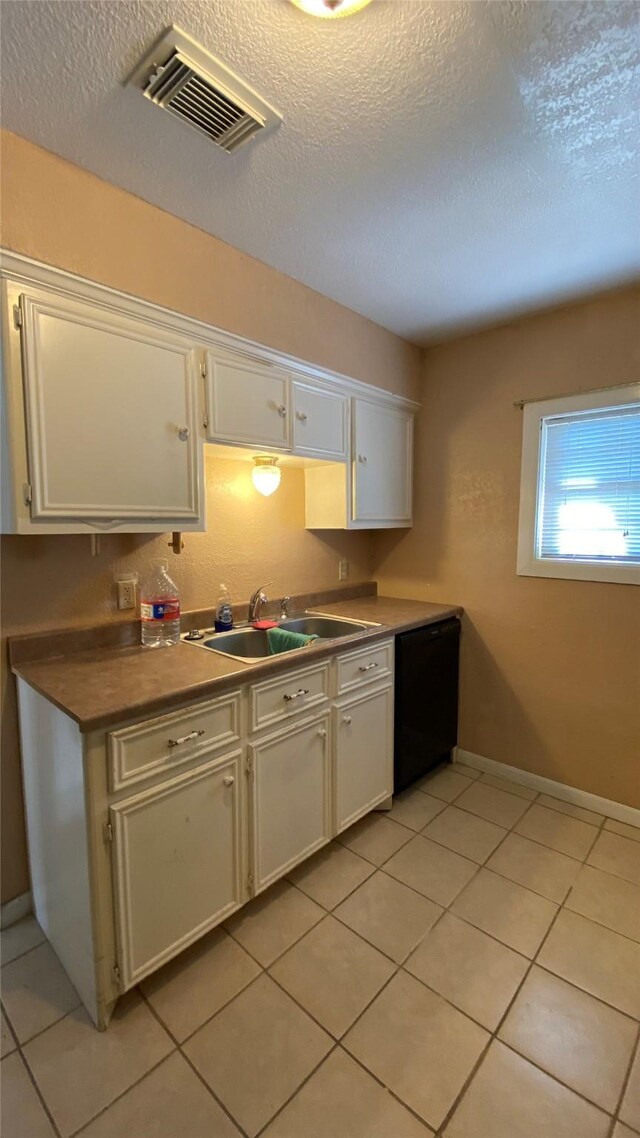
<point>252,644</point>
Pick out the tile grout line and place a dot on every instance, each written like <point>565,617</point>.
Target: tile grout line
<point>398,966</point>
<point>77,1133</point>
<point>26,951</point>
<point>339,1043</point>
<point>493,1037</point>
<point>17,1050</point>
<point>42,1030</point>
<point>335,1047</point>
<point>178,1050</point>
<point>5,964</point>
<point>533,961</point>
<point>39,1093</point>
<point>625,1082</point>
<point>599,827</point>
<point>9,1024</point>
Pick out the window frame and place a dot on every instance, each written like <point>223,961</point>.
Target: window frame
<point>528,563</point>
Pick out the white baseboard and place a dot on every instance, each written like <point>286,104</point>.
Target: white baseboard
<point>15,910</point>
<point>594,802</point>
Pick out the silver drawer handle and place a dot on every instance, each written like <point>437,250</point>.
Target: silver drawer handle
<point>367,667</point>
<point>346,719</point>
<point>322,733</point>
<point>282,411</point>
<point>185,738</point>
<point>183,434</point>
<point>302,416</point>
<point>296,694</point>
<point>229,780</point>
<point>362,458</point>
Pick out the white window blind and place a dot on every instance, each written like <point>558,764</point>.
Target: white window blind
<point>588,501</point>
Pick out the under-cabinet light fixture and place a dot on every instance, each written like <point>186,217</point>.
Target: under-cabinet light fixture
<point>330,9</point>
<point>266,474</point>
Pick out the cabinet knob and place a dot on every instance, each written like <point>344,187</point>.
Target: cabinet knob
<point>362,458</point>
<point>282,411</point>
<point>183,434</point>
<point>322,733</point>
<point>302,416</point>
<point>346,719</point>
<point>229,780</point>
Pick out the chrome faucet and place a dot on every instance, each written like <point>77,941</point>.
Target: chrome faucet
<point>256,601</point>
<point>284,608</point>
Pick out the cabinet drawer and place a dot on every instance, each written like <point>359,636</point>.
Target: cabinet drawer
<point>136,753</point>
<point>277,700</point>
<point>365,666</point>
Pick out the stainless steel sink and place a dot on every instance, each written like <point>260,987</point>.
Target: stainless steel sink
<point>325,627</point>
<point>252,645</point>
<point>244,644</point>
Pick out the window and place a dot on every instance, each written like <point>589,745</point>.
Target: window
<point>580,488</point>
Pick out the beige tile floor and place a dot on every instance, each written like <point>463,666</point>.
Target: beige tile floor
<point>467,966</point>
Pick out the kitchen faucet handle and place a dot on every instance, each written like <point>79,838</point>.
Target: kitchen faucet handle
<point>256,600</point>
<point>284,607</point>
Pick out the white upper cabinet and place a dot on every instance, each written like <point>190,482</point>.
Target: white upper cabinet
<point>320,422</point>
<point>107,400</point>
<point>111,419</point>
<point>382,463</point>
<point>248,402</point>
<point>374,490</point>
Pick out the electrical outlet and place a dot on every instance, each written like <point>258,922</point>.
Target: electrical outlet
<point>126,587</point>
<point>343,570</point>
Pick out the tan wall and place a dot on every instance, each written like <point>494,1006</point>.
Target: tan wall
<point>55,582</point>
<point>550,668</point>
<point>59,214</point>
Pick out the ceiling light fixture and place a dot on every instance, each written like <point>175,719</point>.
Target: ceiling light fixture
<point>330,9</point>
<point>266,474</point>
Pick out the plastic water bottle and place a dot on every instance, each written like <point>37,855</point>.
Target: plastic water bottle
<point>159,607</point>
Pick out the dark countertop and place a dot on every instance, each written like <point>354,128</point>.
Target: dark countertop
<point>102,687</point>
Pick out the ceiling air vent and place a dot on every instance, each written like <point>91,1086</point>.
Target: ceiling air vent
<point>179,75</point>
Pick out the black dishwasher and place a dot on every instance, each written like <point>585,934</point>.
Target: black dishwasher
<point>426,699</point>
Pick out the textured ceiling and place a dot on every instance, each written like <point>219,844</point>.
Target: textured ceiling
<point>440,165</point>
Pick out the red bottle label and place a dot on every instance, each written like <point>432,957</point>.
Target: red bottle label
<point>168,609</point>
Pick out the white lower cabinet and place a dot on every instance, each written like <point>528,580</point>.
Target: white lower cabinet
<point>179,820</point>
<point>178,863</point>
<point>291,797</point>
<point>363,766</point>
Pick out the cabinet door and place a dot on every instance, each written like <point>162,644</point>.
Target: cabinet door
<point>319,422</point>
<point>178,863</point>
<point>111,415</point>
<point>290,807</point>
<point>382,463</point>
<point>247,402</point>
<point>363,754</point>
